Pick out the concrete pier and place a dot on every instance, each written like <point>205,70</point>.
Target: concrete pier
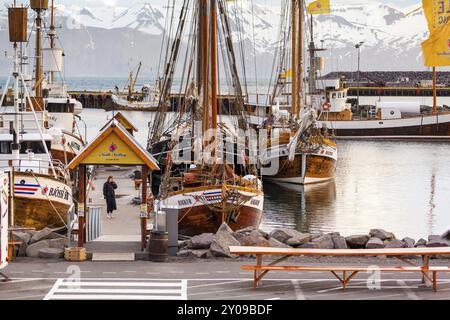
<point>122,233</point>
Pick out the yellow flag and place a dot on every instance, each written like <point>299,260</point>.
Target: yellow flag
<point>319,7</point>
<point>436,50</point>
<point>287,74</point>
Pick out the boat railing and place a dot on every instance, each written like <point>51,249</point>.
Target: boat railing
<point>26,121</point>
<point>39,166</point>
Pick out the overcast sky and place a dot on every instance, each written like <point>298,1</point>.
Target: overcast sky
<point>126,3</point>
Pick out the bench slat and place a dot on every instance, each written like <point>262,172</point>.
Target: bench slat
<point>343,268</point>
<point>340,252</point>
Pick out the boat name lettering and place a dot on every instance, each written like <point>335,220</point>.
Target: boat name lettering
<point>59,193</point>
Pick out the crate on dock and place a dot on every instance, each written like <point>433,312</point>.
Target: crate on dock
<point>75,254</point>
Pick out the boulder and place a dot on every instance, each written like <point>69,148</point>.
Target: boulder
<point>381,234</point>
<point>374,243</point>
<point>409,242</point>
<point>41,235</point>
<point>298,240</point>
<point>201,254</point>
<point>252,239</point>
<point>31,232</point>
<point>339,242</point>
<point>437,241</point>
<point>222,240</point>
<point>395,244</point>
<point>33,249</point>
<point>324,242</point>
<point>420,243</point>
<point>277,244</point>
<point>357,241</point>
<point>58,243</point>
<point>202,241</point>
<point>21,237</point>
<point>55,235</point>
<point>51,253</point>
<point>283,235</point>
<point>183,253</point>
<point>24,238</point>
<point>309,245</point>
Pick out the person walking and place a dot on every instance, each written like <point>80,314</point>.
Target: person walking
<point>109,193</point>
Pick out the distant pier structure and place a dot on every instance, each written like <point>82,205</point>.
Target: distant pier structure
<point>393,83</point>
<point>103,100</point>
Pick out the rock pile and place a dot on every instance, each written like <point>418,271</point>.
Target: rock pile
<point>210,245</point>
<point>44,244</point>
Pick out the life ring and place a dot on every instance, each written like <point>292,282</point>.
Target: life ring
<point>326,106</point>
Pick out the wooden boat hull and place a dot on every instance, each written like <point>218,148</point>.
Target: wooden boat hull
<point>421,126</point>
<point>306,168</point>
<point>196,217</point>
<point>40,201</point>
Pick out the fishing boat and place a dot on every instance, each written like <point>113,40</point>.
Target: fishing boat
<point>200,176</point>
<point>299,150</point>
<point>42,189</point>
<point>147,100</point>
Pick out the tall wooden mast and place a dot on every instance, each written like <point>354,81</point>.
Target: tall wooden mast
<point>204,62</point>
<point>300,58</point>
<point>39,6</point>
<point>214,65</point>
<point>294,60</point>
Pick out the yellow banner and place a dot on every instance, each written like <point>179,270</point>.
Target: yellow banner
<point>436,49</point>
<point>319,7</point>
<point>437,13</point>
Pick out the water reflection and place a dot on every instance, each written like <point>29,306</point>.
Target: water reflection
<point>306,208</point>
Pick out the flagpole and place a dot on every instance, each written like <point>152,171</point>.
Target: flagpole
<point>434,91</point>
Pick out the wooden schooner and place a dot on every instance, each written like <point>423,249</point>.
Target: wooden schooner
<point>302,152</point>
<point>219,184</point>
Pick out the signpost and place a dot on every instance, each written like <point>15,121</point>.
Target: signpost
<point>4,198</point>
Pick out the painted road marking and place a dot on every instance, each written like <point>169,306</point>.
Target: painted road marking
<point>85,289</point>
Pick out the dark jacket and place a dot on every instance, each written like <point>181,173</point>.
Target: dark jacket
<point>108,189</point>
<point>110,195</point>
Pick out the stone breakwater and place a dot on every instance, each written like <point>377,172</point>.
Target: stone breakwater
<point>210,245</point>
<point>44,244</point>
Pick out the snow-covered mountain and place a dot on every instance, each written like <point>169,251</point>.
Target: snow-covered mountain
<point>102,40</point>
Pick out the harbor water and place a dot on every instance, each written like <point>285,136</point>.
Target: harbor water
<point>400,186</point>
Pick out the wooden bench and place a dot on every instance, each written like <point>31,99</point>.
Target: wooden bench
<point>429,273</point>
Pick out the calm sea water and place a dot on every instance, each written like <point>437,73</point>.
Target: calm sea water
<point>403,187</point>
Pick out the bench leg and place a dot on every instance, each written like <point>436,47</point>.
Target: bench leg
<point>425,275</point>
<point>435,281</point>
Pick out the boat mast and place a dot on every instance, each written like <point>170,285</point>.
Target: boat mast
<point>294,61</point>
<point>39,7</point>
<point>214,73</point>
<point>434,91</point>
<point>300,58</point>
<point>52,35</point>
<point>204,62</point>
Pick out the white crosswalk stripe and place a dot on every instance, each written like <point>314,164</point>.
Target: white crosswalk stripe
<point>97,289</point>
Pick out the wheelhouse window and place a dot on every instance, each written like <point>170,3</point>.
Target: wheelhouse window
<point>60,107</point>
<point>5,147</point>
<point>34,146</point>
